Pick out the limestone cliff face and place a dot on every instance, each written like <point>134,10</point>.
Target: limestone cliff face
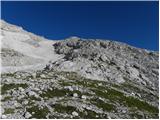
<point>78,78</point>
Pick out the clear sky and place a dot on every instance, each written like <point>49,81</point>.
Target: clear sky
<point>135,23</point>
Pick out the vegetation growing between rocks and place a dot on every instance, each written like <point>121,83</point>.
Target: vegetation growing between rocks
<point>38,112</point>
<point>7,87</point>
<point>103,95</point>
<point>9,111</point>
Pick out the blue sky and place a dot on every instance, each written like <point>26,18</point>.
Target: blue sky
<point>135,23</point>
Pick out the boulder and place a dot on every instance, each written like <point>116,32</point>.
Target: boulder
<point>27,115</point>
<point>74,113</point>
<point>75,95</point>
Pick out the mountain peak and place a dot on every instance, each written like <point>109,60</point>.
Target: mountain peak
<point>10,27</point>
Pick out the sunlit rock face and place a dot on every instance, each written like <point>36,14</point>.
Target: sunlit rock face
<point>76,78</point>
<point>22,50</point>
<point>108,61</point>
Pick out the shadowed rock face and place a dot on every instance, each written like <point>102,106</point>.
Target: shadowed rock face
<point>92,78</point>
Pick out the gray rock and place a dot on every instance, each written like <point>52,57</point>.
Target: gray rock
<point>27,115</point>
<point>109,117</point>
<point>134,73</point>
<point>33,112</point>
<point>21,89</point>
<point>33,75</point>
<point>69,88</point>
<point>124,111</point>
<point>99,84</point>
<point>14,92</point>
<point>25,102</point>
<point>84,97</point>
<point>74,113</point>
<point>42,76</point>
<point>75,95</point>
<point>3,116</point>
<point>132,94</point>
<point>2,110</point>
<point>31,93</point>
<point>119,79</point>
<point>104,58</point>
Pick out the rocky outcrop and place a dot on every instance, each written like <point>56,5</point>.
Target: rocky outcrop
<point>108,61</point>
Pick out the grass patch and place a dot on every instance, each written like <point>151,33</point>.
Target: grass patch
<point>38,113</point>
<point>34,98</point>
<point>141,105</point>
<point>61,93</point>
<point>88,114</point>
<point>111,94</point>
<point>86,83</point>
<point>7,75</point>
<point>7,87</point>
<point>136,116</point>
<point>54,93</point>
<point>6,98</point>
<point>116,96</point>
<point>65,83</point>
<point>101,104</point>
<point>64,109</point>
<point>9,111</point>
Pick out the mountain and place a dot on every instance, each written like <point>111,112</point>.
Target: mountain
<point>24,50</point>
<point>76,78</point>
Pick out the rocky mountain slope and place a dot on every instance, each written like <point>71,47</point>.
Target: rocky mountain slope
<point>24,50</point>
<point>76,78</point>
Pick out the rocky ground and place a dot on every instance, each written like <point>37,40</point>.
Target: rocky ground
<point>85,79</point>
<point>52,94</point>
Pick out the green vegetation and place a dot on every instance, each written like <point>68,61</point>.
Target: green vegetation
<point>61,93</point>
<point>17,75</point>
<point>7,87</point>
<point>66,83</point>
<point>9,111</point>
<point>101,104</point>
<point>141,105</point>
<point>38,113</point>
<point>130,101</point>
<point>86,114</point>
<point>102,89</point>
<point>136,115</point>
<point>64,109</point>
<point>6,98</point>
<point>54,93</point>
<point>7,75</point>
<point>34,98</point>
<point>87,83</point>
<point>112,95</point>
